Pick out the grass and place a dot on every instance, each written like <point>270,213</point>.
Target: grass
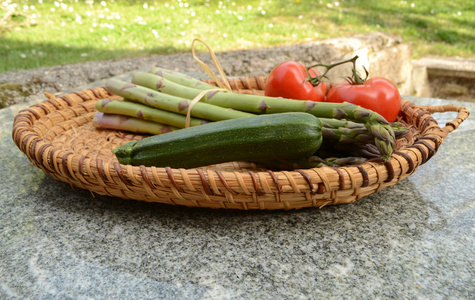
<point>44,33</point>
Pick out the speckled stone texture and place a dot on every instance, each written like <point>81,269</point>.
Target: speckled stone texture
<point>414,240</point>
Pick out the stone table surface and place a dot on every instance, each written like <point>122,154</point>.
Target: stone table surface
<point>412,240</point>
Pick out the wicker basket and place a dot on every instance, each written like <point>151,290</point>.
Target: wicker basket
<point>58,137</point>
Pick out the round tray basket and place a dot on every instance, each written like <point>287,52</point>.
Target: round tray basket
<point>58,137</point>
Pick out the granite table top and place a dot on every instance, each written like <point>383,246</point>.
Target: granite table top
<point>412,240</point>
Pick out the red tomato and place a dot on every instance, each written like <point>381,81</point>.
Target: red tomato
<point>377,93</point>
<point>288,80</point>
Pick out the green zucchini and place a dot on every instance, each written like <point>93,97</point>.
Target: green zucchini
<point>290,135</point>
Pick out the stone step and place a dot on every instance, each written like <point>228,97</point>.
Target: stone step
<point>447,78</point>
<point>449,67</point>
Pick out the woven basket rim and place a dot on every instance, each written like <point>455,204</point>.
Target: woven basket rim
<point>218,186</point>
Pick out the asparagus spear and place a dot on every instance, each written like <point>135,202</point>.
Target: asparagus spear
<point>259,104</point>
<point>171,103</point>
<point>399,129</point>
<point>131,111</point>
<point>344,161</point>
<point>181,78</point>
<point>347,132</point>
<point>384,137</point>
<point>351,132</point>
<point>145,112</point>
<point>313,161</point>
<point>126,123</point>
<point>347,135</point>
<point>334,130</point>
<point>336,149</point>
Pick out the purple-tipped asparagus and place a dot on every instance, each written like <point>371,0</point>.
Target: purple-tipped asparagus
<point>126,123</point>
<point>145,112</point>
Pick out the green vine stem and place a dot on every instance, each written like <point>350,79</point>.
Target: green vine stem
<point>354,79</point>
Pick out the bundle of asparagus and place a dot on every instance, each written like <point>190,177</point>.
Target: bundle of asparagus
<point>159,101</point>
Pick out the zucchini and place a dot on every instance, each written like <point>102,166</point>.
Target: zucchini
<point>290,135</point>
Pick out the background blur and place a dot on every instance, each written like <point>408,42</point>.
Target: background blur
<point>40,33</point>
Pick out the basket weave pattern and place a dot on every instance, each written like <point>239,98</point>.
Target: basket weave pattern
<point>58,137</point>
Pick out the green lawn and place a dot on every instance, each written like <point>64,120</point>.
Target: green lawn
<point>42,32</point>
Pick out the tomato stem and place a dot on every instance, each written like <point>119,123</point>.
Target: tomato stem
<point>354,79</point>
